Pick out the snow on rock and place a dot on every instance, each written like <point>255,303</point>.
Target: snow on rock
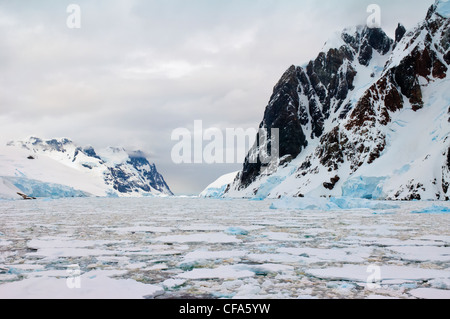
<point>59,168</point>
<point>217,188</point>
<point>388,274</point>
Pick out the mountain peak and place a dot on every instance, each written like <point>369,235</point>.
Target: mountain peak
<point>59,161</point>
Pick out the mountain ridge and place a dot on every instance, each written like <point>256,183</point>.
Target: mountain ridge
<point>61,168</point>
<point>346,117</point>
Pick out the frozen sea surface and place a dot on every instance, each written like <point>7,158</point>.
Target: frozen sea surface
<point>189,247</point>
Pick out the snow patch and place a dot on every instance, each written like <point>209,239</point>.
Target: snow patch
<point>443,8</point>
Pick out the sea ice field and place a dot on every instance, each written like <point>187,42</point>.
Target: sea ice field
<point>123,248</point>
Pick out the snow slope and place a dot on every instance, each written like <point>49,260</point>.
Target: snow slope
<point>59,168</point>
<point>217,188</point>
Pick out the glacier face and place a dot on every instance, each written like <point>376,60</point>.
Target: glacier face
<point>59,168</point>
<point>368,118</point>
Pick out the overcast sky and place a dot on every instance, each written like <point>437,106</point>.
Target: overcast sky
<point>138,69</point>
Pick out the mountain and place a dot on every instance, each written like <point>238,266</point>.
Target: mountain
<point>60,168</point>
<point>368,118</point>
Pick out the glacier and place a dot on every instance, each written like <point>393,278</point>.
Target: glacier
<point>34,188</point>
<point>60,168</point>
<point>218,188</point>
<point>364,187</point>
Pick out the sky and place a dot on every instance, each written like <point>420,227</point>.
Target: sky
<point>136,70</point>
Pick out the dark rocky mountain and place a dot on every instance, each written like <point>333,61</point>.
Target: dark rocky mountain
<point>342,112</point>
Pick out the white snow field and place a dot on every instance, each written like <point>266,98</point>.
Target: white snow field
<point>117,248</point>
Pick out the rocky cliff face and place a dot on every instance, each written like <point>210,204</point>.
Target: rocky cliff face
<point>354,114</point>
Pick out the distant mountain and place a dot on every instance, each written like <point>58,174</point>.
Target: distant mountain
<point>60,168</point>
<point>369,118</point>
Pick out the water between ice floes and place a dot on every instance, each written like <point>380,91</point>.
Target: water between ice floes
<point>178,247</point>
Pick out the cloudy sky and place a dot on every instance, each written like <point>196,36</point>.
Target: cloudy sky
<point>138,69</point>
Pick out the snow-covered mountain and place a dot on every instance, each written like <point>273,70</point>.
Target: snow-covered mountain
<point>60,168</point>
<point>368,118</point>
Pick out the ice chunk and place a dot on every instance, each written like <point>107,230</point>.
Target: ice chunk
<point>222,272</point>
<point>236,231</point>
<point>92,285</point>
<point>198,238</point>
<point>173,283</point>
<point>235,271</point>
<point>388,273</point>
<point>424,253</point>
<point>201,257</point>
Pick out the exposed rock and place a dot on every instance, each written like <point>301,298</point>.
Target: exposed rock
<point>333,126</point>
